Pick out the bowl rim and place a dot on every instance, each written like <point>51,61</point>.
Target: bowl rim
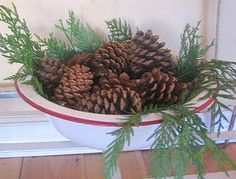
<point>87,118</point>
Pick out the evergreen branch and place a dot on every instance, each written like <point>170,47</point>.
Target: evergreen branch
<point>20,75</point>
<point>191,53</point>
<point>55,48</point>
<point>181,140</point>
<point>38,86</point>
<point>219,115</point>
<point>222,73</point>
<point>119,31</point>
<point>66,33</point>
<point>122,136</point>
<point>81,37</point>
<point>19,47</point>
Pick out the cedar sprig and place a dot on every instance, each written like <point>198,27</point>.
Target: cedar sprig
<point>191,53</point>
<point>221,75</point>
<point>81,37</point>
<point>182,140</point>
<point>177,143</point>
<point>122,136</point>
<point>18,47</point>
<point>119,30</point>
<point>56,48</point>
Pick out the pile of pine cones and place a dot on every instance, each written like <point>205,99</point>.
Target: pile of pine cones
<point>117,79</point>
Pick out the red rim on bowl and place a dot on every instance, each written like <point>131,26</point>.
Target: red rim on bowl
<point>94,122</point>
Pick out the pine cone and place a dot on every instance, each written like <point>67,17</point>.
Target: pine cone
<point>148,53</point>
<point>112,80</point>
<point>157,87</point>
<point>50,73</point>
<point>111,57</point>
<point>82,59</point>
<point>75,83</point>
<point>117,100</point>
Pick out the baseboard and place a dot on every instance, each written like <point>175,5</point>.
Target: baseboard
<point>34,135</point>
<point>43,149</point>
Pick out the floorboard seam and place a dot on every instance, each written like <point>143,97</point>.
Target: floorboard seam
<point>21,167</point>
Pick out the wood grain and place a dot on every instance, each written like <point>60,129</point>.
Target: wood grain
<point>58,167</point>
<point>94,166</point>
<point>10,168</point>
<point>210,164</point>
<point>132,165</point>
<point>146,158</point>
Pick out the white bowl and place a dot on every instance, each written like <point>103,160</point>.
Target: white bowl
<point>90,129</point>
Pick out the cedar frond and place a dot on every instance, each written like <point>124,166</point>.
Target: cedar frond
<point>119,30</point>
<point>122,136</point>
<point>191,53</point>
<point>55,48</point>
<point>82,38</point>
<point>18,47</point>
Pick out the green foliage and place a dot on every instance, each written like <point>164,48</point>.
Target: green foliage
<point>222,73</point>
<point>119,31</point>
<point>56,48</point>
<point>182,140</point>
<point>191,53</point>
<point>122,136</point>
<point>18,47</point>
<point>81,37</point>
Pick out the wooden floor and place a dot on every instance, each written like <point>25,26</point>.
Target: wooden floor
<point>133,165</point>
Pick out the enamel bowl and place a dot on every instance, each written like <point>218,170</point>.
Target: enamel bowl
<point>90,129</point>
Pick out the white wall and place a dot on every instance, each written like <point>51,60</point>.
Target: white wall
<point>227,31</point>
<point>166,18</point>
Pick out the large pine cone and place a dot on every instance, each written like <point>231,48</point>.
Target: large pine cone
<point>50,72</point>
<point>76,81</point>
<point>82,59</point>
<point>111,57</point>
<point>117,100</point>
<point>157,87</point>
<point>147,53</point>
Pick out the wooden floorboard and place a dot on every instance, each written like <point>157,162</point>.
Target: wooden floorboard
<point>146,159</point>
<point>56,167</point>
<point>10,168</point>
<point>94,166</point>
<point>132,165</point>
<point>210,164</point>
